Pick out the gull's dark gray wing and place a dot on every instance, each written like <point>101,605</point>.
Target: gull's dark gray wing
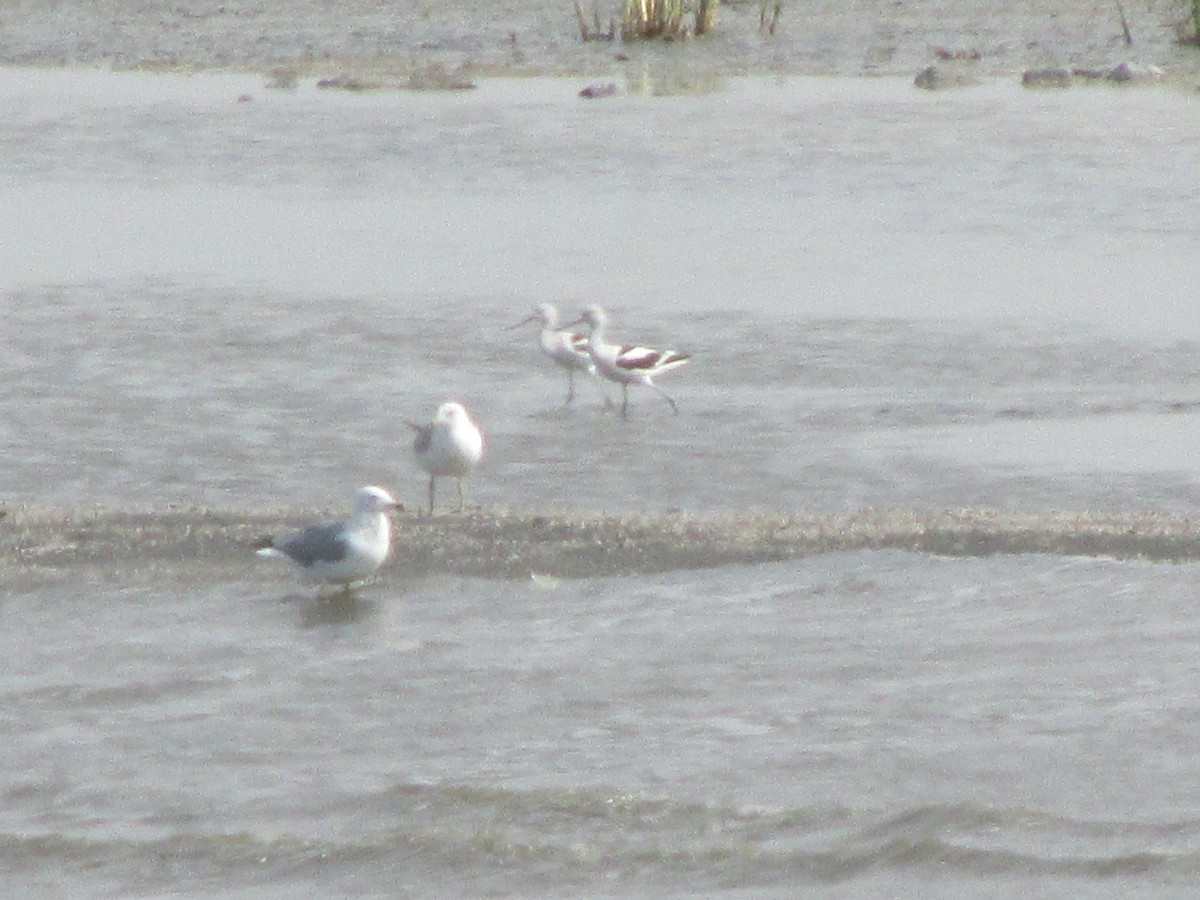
<point>317,543</point>
<point>423,439</point>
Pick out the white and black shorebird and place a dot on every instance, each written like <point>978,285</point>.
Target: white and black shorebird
<point>568,349</point>
<point>448,447</point>
<point>628,364</point>
<point>341,553</point>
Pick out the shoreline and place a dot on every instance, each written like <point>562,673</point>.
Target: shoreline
<point>657,77</point>
<point>102,83</point>
<point>436,47</point>
<point>511,545</point>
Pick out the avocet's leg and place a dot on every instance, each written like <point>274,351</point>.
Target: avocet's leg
<point>431,481</point>
<point>624,400</point>
<point>570,386</point>
<point>462,503</point>
<point>665,396</point>
<point>608,401</point>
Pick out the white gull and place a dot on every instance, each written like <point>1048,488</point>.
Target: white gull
<point>448,447</point>
<point>341,553</point>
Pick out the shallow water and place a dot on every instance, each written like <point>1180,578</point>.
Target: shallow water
<point>859,723</point>
<point>895,301</point>
<point>252,297</point>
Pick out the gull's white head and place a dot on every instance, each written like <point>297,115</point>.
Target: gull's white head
<point>451,413</point>
<point>374,499</point>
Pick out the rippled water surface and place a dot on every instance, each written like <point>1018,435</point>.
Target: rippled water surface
<point>217,295</point>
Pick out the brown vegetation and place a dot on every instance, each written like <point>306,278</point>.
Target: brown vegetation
<point>650,19</point>
<point>1189,28</point>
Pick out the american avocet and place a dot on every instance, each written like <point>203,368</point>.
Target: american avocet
<point>628,365</point>
<point>341,552</point>
<point>449,446</point>
<point>567,348</point>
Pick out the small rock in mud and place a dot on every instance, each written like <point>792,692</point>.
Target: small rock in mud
<point>946,53</point>
<point>1046,78</point>
<point>1126,72</point>
<point>344,83</point>
<point>932,78</point>
<point>929,78</point>
<point>593,91</point>
<point>1122,73</point>
<point>435,77</point>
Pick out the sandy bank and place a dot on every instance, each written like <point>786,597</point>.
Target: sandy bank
<point>523,545</point>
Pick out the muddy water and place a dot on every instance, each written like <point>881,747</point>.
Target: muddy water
<point>250,298</point>
<point>896,302</point>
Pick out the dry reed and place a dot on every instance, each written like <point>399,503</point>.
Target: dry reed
<point>1188,28</point>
